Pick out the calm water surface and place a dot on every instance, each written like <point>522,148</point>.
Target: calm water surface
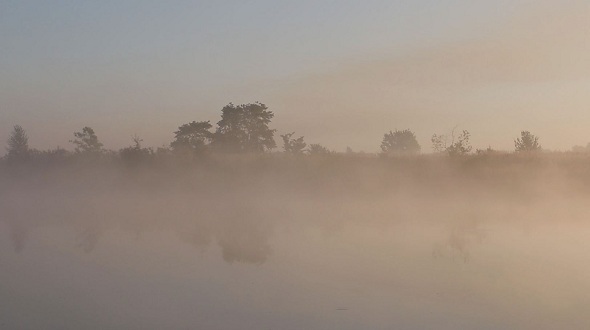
<point>321,268</point>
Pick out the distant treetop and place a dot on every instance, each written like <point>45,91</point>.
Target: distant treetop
<point>193,136</point>
<point>244,128</point>
<point>18,144</point>
<point>87,141</point>
<point>527,142</point>
<point>400,142</point>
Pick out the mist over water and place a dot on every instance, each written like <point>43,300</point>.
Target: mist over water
<point>278,242</point>
<point>415,176</point>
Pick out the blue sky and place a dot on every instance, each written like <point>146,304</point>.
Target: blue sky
<point>145,67</point>
<point>224,38</point>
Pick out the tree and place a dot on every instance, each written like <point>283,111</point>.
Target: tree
<point>318,149</point>
<point>527,142</point>
<point>439,143</point>
<point>244,128</point>
<point>461,146</point>
<point>458,146</point>
<point>193,136</point>
<point>293,146</point>
<point>136,154</point>
<point>400,142</point>
<point>18,144</point>
<point>87,141</point>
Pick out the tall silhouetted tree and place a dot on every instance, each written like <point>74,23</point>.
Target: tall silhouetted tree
<point>293,146</point>
<point>400,142</point>
<point>244,128</point>
<point>87,141</point>
<point>193,136</point>
<point>527,142</point>
<point>18,144</point>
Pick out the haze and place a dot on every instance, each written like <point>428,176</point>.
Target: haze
<point>339,73</point>
<point>303,165</point>
<point>316,242</point>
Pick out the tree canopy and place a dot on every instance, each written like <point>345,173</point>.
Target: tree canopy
<point>135,154</point>
<point>461,145</point>
<point>318,149</point>
<point>244,128</point>
<point>293,146</point>
<point>18,144</point>
<point>87,141</point>
<point>527,142</point>
<point>193,136</point>
<point>400,142</point>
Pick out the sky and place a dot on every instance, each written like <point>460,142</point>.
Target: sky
<point>340,73</point>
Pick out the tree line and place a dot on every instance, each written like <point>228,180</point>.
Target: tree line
<point>246,128</point>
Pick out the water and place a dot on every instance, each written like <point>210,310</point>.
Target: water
<point>124,256</point>
<point>240,271</point>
